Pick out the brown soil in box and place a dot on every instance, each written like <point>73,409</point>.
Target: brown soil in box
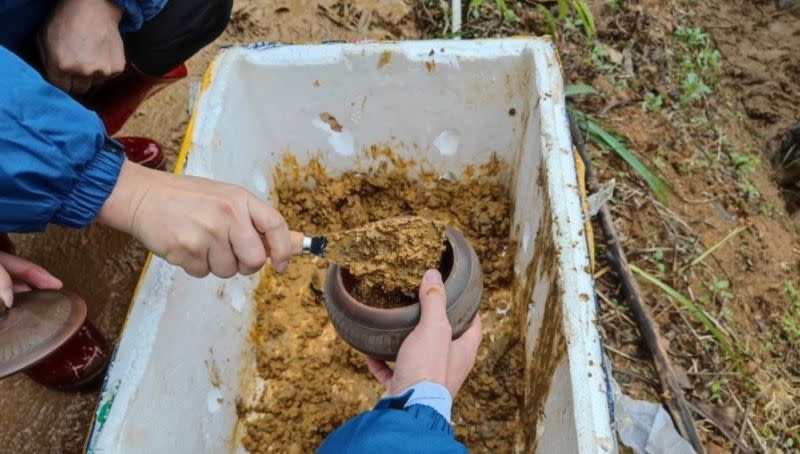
<point>313,381</point>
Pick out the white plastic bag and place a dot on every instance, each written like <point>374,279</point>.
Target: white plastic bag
<point>646,427</point>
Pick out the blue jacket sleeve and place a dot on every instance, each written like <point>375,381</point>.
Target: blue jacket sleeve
<point>393,427</point>
<point>137,12</point>
<point>52,168</point>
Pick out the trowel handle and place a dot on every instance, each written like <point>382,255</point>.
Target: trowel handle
<point>301,244</point>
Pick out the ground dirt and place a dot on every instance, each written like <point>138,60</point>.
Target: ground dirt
<point>313,381</point>
<point>714,151</point>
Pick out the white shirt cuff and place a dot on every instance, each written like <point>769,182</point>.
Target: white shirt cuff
<point>433,395</point>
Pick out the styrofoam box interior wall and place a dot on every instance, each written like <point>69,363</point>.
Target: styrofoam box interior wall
<point>184,357</point>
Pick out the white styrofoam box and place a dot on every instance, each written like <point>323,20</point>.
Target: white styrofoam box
<point>185,356</point>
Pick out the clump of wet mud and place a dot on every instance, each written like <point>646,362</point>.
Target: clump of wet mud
<point>388,258</point>
<point>309,380</point>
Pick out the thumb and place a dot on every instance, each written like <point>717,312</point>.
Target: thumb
<point>433,301</point>
<point>6,286</point>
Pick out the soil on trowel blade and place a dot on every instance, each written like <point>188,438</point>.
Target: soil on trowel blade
<point>388,258</point>
<point>309,381</point>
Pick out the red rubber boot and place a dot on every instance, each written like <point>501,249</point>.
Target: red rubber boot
<point>144,151</point>
<point>6,245</point>
<point>118,99</point>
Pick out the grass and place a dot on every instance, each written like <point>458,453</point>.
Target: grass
<point>694,89</point>
<point>720,287</point>
<point>563,10</point>
<point>575,90</point>
<point>582,19</point>
<point>586,18</point>
<point>692,37</point>
<point>609,140</point>
<point>652,102</point>
<point>791,319</point>
<point>508,14</point>
<point>743,163</point>
<point>549,20</point>
<point>658,256</point>
<point>600,59</point>
<point>715,389</point>
<point>698,314</point>
<point>700,64</point>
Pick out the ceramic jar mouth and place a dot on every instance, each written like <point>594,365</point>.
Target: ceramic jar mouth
<point>347,281</point>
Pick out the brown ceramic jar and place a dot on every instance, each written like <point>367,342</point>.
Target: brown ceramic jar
<point>379,332</point>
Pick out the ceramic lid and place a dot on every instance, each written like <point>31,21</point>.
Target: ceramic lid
<point>38,324</point>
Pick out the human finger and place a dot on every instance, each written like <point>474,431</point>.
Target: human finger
<point>6,288</point>
<point>470,340</point>
<point>269,222</point>
<point>221,259</point>
<point>248,248</point>
<point>380,370</point>
<point>433,301</point>
<point>461,358</point>
<point>31,273</point>
<point>80,85</point>
<point>19,287</point>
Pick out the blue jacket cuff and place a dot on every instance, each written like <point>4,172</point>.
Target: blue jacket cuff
<point>137,12</point>
<point>89,194</point>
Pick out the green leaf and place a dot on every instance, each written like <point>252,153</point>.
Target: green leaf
<point>575,90</point>
<point>608,140</point>
<point>585,14</point>
<point>563,10</point>
<point>548,19</point>
<point>697,313</point>
<point>652,102</point>
<point>508,14</point>
<point>720,284</point>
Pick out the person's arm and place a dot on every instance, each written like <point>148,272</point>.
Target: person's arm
<point>54,169</point>
<point>52,165</point>
<point>430,370</point>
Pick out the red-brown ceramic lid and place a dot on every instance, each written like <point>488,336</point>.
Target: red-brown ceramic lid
<point>39,323</point>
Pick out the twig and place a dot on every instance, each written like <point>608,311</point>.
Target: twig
<point>671,389</point>
<point>744,422</point>
<point>713,248</point>
<point>615,309</point>
<point>713,374</point>
<point>748,422</point>
<point>616,104</point>
<point>698,202</point>
<point>602,272</point>
<point>721,427</point>
<point>633,374</point>
<point>622,354</point>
